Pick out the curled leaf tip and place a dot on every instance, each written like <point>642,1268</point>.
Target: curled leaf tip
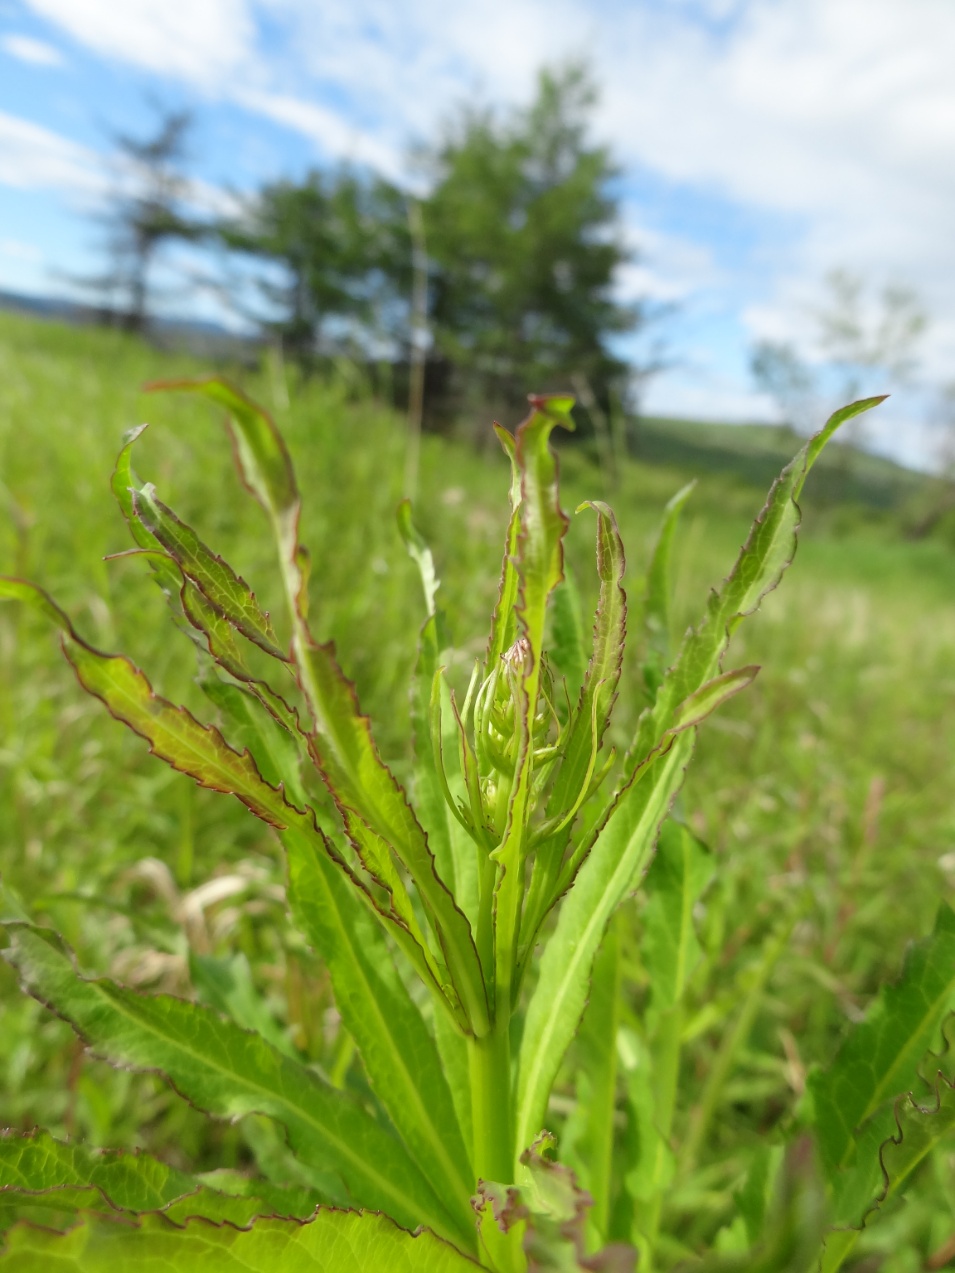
<point>559,404</point>
<point>130,435</point>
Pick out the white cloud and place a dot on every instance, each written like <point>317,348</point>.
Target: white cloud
<point>328,129</point>
<point>32,158</point>
<point>829,125</point>
<point>204,42</point>
<point>26,49</point>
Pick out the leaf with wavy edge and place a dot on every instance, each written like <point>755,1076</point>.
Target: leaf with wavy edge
<point>343,746</point>
<point>226,592</point>
<point>624,843</point>
<point>543,524</point>
<point>263,462</point>
<point>504,619</point>
<point>122,484</point>
<point>173,733</point>
<point>588,721</point>
<point>762,561</point>
<point>345,752</point>
<point>540,1227</point>
<point>879,1058</point>
<point>203,618</point>
<point>201,752</point>
<point>229,1072</point>
<point>540,563</point>
<point>919,1130</point>
<point>599,690</point>
<point>48,1181</point>
<point>36,1163</point>
<point>332,1242</point>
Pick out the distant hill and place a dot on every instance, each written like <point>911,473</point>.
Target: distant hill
<point>752,453</point>
<point>755,453</point>
<point>201,336</point>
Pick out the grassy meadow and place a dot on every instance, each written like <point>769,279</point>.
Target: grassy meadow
<point>824,791</point>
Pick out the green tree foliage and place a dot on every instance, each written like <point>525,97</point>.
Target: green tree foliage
<point>340,243</point>
<point>524,243</point>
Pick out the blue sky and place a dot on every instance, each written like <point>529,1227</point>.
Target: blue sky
<point>763,142</point>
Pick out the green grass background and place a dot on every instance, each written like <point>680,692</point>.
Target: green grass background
<point>825,792</point>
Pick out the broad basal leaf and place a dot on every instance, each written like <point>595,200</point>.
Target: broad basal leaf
<point>228,1072</point>
<point>48,1182</point>
<point>333,1242</point>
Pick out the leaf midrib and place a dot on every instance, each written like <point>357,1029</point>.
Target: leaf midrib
<point>103,988</point>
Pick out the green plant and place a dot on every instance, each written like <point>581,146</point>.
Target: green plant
<point>528,830</point>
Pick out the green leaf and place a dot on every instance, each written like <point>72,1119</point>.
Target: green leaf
<point>504,620</point>
<point>585,729</point>
<point>332,1242</point>
<point>920,1129</point>
<point>543,524</point>
<point>345,752</point>
<point>420,554</point>
<point>173,733</point>
<point>131,1182</point>
<point>567,646</point>
<point>123,482</point>
<point>262,457</point>
<point>624,841</point>
<point>682,868</point>
<point>680,871</point>
<point>879,1059</point>
<point>593,1151</point>
<point>451,845</point>
<point>228,1073</point>
<point>397,1050</point>
<point>599,690</point>
<point>656,605</point>
<point>621,854</point>
<point>49,1181</point>
<point>225,591</point>
<point>277,752</point>
<point>763,559</point>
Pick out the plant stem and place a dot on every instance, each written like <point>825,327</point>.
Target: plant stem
<point>489,1060</point>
